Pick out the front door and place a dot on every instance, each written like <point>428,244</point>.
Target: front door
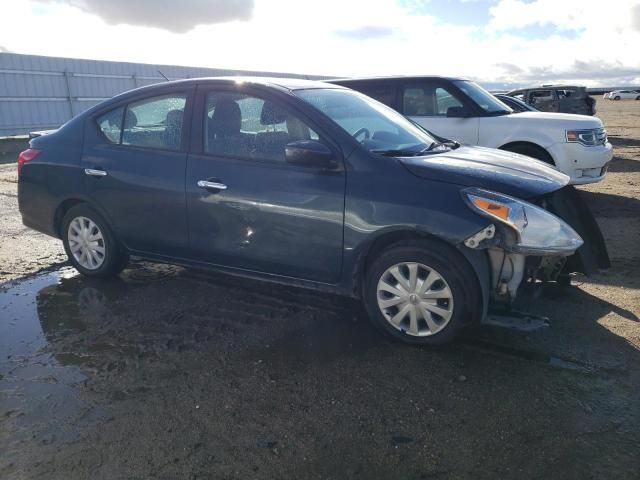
<point>134,159</point>
<point>428,105</point>
<point>248,208</point>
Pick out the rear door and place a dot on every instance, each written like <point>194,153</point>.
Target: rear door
<point>135,159</point>
<point>262,214</point>
<point>428,103</point>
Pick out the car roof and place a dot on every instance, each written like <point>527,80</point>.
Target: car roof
<point>395,77</point>
<point>281,83</point>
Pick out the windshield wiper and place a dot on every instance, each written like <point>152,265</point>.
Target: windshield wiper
<point>416,153</point>
<point>449,143</point>
<point>398,153</point>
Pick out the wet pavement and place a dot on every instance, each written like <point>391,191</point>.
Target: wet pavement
<point>172,373</point>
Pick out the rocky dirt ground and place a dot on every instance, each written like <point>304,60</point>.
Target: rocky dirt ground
<point>169,373</point>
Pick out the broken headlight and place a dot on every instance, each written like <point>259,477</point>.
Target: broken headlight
<point>538,232</point>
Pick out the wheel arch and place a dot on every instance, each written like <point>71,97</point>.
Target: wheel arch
<point>67,204</point>
<point>529,144</point>
<point>477,260</point>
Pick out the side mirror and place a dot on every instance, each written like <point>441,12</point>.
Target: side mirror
<point>458,112</point>
<point>310,153</point>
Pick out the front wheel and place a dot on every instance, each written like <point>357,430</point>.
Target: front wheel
<point>90,244</point>
<point>420,292</point>
<point>616,98</point>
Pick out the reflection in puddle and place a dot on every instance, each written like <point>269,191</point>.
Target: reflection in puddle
<point>28,372</point>
<point>71,347</point>
<point>64,319</point>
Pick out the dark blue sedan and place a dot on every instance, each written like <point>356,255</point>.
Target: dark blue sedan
<point>301,183</point>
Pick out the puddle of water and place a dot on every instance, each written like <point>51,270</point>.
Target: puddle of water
<point>150,309</point>
<point>28,372</point>
<point>20,330</point>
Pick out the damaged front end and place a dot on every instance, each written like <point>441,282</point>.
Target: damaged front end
<point>568,205</point>
<point>523,241</point>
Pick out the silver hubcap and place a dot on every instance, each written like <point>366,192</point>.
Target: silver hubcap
<point>415,299</point>
<point>86,243</point>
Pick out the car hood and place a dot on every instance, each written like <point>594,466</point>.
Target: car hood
<point>497,170</point>
<point>566,120</point>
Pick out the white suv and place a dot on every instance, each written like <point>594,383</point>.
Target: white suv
<point>461,110</point>
<point>623,95</point>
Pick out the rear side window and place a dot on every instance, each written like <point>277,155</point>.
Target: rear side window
<point>110,124</point>
<point>155,122</point>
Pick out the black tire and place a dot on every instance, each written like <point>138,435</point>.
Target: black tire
<point>616,98</point>
<point>115,257</point>
<point>448,263</point>
<point>529,150</point>
<point>638,97</point>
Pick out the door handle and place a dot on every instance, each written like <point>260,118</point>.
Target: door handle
<point>211,185</point>
<point>92,172</point>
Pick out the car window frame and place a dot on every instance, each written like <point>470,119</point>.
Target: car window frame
<point>188,92</point>
<point>197,141</point>
<point>554,96</point>
<point>459,95</point>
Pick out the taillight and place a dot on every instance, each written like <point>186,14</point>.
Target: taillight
<point>26,156</point>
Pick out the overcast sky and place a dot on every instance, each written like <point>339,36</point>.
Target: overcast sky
<point>494,41</point>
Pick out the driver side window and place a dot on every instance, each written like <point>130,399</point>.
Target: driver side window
<point>428,101</point>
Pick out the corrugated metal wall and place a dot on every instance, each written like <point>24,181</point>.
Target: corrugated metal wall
<point>38,93</point>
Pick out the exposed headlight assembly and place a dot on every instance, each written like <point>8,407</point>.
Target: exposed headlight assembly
<point>537,231</point>
<point>589,138</point>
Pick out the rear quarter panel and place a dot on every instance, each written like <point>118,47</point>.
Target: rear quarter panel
<point>52,177</point>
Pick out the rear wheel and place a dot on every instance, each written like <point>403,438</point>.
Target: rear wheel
<point>638,97</point>
<point>90,244</point>
<point>420,292</point>
<point>616,98</point>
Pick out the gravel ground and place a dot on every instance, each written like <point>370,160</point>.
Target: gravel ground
<point>169,373</point>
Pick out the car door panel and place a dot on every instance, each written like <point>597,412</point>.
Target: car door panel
<point>272,218</point>
<point>284,221</point>
<point>142,189</point>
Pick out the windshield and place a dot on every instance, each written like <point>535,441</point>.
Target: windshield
<point>377,127</point>
<point>482,98</point>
